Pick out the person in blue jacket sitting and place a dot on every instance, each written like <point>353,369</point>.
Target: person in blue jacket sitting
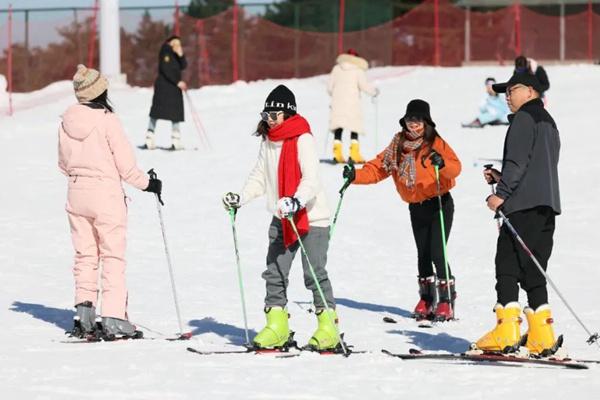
<point>492,111</point>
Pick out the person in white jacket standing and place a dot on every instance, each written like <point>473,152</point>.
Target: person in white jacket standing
<point>287,172</point>
<point>346,81</point>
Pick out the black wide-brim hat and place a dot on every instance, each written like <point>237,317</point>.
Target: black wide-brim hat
<point>523,78</point>
<point>417,108</point>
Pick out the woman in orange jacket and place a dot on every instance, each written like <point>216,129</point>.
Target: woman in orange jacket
<point>410,159</point>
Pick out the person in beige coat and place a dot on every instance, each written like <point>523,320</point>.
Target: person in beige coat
<point>346,81</point>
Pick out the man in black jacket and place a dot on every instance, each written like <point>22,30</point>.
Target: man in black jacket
<point>528,194</point>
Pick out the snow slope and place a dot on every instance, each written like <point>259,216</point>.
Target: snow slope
<point>372,257</point>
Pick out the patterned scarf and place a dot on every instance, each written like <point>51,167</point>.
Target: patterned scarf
<point>403,162</point>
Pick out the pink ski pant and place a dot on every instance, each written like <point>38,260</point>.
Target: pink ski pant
<point>98,218</point>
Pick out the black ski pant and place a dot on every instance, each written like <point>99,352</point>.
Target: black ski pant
<point>337,134</point>
<point>514,267</point>
<point>425,221</point>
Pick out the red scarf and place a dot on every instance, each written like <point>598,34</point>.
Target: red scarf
<point>289,173</point>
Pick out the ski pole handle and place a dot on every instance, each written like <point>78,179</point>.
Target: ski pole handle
<point>346,185</point>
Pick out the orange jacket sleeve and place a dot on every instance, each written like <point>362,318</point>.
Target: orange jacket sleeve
<point>452,165</point>
<point>371,172</point>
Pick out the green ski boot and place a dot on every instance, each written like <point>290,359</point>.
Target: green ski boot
<point>326,336</point>
<point>277,332</point>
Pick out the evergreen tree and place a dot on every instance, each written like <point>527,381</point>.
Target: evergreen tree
<point>207,8</point>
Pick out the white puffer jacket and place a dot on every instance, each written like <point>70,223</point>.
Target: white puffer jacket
<point>263,180</point>
<point>346,81</point>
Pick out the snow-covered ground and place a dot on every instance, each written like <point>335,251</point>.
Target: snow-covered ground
<point>372,257</point>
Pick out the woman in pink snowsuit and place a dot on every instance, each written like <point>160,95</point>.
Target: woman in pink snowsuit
<point>96,156</point>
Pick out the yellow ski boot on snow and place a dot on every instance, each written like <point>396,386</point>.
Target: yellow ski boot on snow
<point>338,156</point>
<point>540,334</point>
<point>277,331</point>
<point>355,152</point>
<point>326,336</point>
<point>506,336</point>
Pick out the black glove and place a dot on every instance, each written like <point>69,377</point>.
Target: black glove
<point>349,173</point>
<point>436,159</point>
<point>231,201</point>
<point>155,186</point>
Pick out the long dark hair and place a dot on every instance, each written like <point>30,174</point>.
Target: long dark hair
<point>101,101</point>
<point>428,139</point>
<point>262,129</point>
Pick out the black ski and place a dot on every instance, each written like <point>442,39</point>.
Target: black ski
<point>172,149</point>
<point>332,161</point>
<point>422,323</point>
<point>502,359</point>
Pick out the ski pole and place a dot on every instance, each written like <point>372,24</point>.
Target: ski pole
<point>593,338</point>
<point>347,183</point>
<point>232,213</point>
<point>199,127</point>
<point>443,229</point>
<point>321,294</point>
<point>488,167</point>
<point>182,336</point>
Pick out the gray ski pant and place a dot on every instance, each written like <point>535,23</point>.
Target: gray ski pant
<point>279,263</point>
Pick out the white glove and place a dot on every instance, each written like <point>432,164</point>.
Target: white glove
<point>231,200</point>
<point>288,206</point>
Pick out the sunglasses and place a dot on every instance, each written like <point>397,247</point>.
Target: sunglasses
<point>510,90</point>
<point>271,115</point>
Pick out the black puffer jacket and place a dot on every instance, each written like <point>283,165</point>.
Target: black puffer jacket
<point>530,161</point>
<point>167,102</point>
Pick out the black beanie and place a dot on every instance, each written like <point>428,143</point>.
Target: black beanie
<point>281,99</point>
<point>417,108</point>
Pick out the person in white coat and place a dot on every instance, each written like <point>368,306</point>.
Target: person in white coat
<point>346,82</point>
<point>287,172</point>
<point>493,109</point>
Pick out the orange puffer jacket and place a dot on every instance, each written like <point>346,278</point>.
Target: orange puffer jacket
<point>425,186</point>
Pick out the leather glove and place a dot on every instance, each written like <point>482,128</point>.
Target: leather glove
<point>155,186</point>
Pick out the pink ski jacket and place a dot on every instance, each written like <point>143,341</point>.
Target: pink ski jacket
<point>92,144</point>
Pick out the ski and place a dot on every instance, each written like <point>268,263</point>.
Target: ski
<point>502,359</point>
<point>422,323</point>
<point>163,148</point>
<point>331,161</point>
<point>248,350</point>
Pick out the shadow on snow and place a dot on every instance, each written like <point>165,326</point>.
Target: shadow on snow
<point>435,342</point>
<point>60,317</point>
<point>373,307</point>
<point>235,335</point>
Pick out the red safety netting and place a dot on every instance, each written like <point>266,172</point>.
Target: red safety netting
<point>245,46</point>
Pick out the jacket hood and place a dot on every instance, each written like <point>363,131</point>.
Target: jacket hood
<point>348,61</point>
<point>79,121</point>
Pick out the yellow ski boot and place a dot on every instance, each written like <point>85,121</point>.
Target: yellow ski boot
<point>505,337</point>
<point>277,332</point>
<point>540,335</point>
<point>355,152</point>
<point>326,336</point>
<point>337,152</point>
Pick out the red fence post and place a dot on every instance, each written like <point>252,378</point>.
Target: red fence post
<point>92,37</point>
<point>341,22</point>
<point>234,42</point>
<point>590,31</point>
<point>176,17</point>
<point>9,67</point>
<point>518,27</point>
<point>436,33</point>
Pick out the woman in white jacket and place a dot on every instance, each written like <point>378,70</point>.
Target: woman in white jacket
<point>287,172</point>
<point>346,81</point>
